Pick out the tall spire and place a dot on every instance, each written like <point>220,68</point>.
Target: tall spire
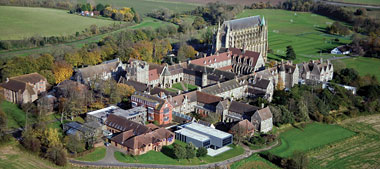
<point>263,21</point>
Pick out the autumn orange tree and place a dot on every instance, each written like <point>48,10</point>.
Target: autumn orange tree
<point>62,71</point>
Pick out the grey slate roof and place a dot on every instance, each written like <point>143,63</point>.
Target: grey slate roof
<point>243,23</point>
<point>242,108</point>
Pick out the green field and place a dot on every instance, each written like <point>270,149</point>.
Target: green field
<point>364,65</point>
<point>145,6</point>
<point>165,157</point>
<point>15,116</point>
<point>360,151</point>
<point>302,30</point>
<point>312,136</point>
<point>21,22</point>
<point>152,23</point>
<point>254,161</point>
<point>98,154</point>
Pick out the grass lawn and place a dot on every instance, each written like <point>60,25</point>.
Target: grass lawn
<point>13,155</point>
<point>304,31</point>
<point>190,87</point>
<point>21,22</point>
<point>254,160</point>
<point>166,157</point>
<point>312,136</point>
<point>15,116</point>
<point>360,151</point>
<point>145,6</point>
<point>98,154</point>
<point>364,65</point>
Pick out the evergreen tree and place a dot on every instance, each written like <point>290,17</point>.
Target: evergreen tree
<point>290,54</point>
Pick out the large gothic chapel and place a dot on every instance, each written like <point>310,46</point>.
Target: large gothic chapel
<point>250,33</point>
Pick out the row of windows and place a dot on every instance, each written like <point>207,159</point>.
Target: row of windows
<point>227,141</point>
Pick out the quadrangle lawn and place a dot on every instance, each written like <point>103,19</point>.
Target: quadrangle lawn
<point>312,136</point>
<point>21,22</point>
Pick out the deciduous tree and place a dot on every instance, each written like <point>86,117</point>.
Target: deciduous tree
<point>62,71</point>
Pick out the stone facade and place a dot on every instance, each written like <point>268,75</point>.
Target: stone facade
<point>250,33</point>
<point>283,75</point>
<point>24,88</point>
<point>317,70</point>
<point>263,120</point>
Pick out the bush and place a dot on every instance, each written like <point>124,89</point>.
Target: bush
<point>201,152</point>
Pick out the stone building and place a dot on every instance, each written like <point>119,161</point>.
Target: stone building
<point>283,75</point>
<point>250,33</point>
<point>317,70</point>
<point>104,71</point>
<point>24,88</point>
<point>262,119</point>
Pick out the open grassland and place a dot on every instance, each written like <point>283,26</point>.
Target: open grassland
<point>241,2</point>
<point>362,2</point>
<point>145,6</point>
<point>312,136</point>
<point>98,154</point>
<point>364,65</point>
<point>149,22</point>
<point>14,156</point>
<point>360,151</point>
<point>254,161</point>
<point>21,22</point>
<point>189,87</point>
<point>166,157</point>
<point>15,116</point>
<point>304,31</point>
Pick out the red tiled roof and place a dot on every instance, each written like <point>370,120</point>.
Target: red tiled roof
<point>212,59</point>
<point>207,98</point>
<point>153,75</point>
<point>225,68</point>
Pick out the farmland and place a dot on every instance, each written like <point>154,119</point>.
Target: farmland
<point>364,2</point>
<point>304,31</point>
<point>26,22</point>
<point>360,151</point>
<point>312,136</point>
<point>145,6</point>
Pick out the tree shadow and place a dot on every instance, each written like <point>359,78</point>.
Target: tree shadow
<point>320,29</point>
<point>168,152</point>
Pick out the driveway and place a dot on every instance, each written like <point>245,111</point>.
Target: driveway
<point>110,161</point>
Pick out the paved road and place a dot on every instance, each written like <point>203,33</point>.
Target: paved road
<point>110,161</point>
<point>350,5</point>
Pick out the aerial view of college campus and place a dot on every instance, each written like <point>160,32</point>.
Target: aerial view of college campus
<point>190,84</point>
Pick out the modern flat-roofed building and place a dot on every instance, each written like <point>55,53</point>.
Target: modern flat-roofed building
<point>136,114</point>
<point>199,135</point>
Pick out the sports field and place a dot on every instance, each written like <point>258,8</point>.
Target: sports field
<point>360,151</point>
<point>21,22</point>
<point>364,65</point>
<point>312,136</point>
<point>302,30</point>
<point>145,6</point>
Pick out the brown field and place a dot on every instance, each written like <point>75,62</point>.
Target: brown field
<point>242,2</point>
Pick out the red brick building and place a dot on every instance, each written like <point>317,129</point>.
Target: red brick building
<point>159,109</point>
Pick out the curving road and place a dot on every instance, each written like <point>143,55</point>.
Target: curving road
<point>110,161</point>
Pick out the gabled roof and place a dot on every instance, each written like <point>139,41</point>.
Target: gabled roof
<point>243,126</point>
<point>212,59</point>
<point>265,113</point>
<point>123,124</point>
<point>138,86</point>
<point>29,78</point>
<point>242,108</point>
<point>261,83</point>
<point>153,75</point>
<point>92,71</point>
<point>243,23</point>
<point>207,98</point>
<point>149,98</point>
<point>158,90</point>
<point>178,100</point>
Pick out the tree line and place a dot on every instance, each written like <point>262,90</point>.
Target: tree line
<point>40,41</point>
